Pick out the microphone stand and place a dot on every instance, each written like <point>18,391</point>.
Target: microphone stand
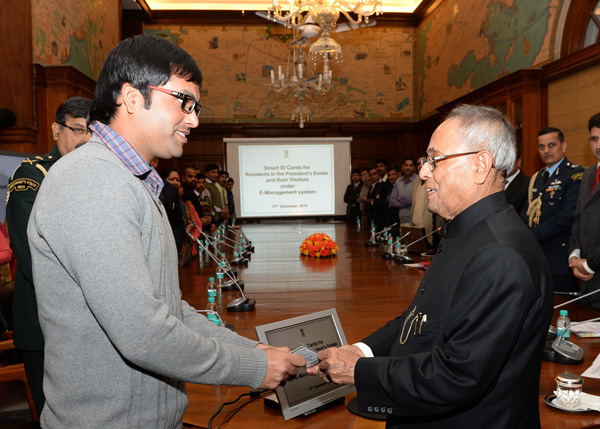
<point>564,351</point>
<point>402,258</point>
<point>248,247</point>
<point>372,241</point>
<point>231,272</point>
<point>389,252</point>
<point>237,305</point>
<point>238,260</point>
<point>576,299</point>
<point>243,249</point>
<point>375,236</point>
<point>383,231</point>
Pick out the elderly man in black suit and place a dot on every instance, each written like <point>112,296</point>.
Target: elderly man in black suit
<point>467,352</point>
<point>584,257</point>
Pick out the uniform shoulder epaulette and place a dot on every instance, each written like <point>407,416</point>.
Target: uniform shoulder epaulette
<point>572,165</point>
<point>28,183</point>
<point>36,161</point>
<point>577,176</point>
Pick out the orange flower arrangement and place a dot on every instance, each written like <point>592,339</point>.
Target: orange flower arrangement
<point>319,245</point>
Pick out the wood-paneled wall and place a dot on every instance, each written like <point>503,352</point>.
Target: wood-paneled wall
<point>572,100</point>
<point>16,76</point>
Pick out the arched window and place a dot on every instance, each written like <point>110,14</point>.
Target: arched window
<point>582,26</point>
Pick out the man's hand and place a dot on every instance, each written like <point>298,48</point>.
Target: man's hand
<point>282,365</point>
<point>337,364</point>
<point>579,270</point>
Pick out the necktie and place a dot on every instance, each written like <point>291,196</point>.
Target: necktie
<point>597,178</point>
<point>545,176</point>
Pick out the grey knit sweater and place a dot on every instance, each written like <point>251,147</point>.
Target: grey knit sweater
<point>120,342</point>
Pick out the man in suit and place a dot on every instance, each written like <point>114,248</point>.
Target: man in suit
<point>550,210</point>
<point>69,131</point>
<point>351,196</point>
<point>516,186</point>
<point>584,257</point>
<point>212,173</point>
<point>382,166</point>
<point>375,201</point>
<point>401,196</point>
<point>467,352</point>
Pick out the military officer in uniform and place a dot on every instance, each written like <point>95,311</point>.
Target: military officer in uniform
<point>550,208</point>
<point>69,131</point>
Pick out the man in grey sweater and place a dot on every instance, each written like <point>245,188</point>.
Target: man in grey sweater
<point>120,342</point>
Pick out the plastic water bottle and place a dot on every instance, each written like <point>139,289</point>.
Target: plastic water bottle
<point>358,223</point>
<point>563,323</point>
<point>212,311</point>
<point>211,288</point>
<point>390,246</point>
<point>220,277</point>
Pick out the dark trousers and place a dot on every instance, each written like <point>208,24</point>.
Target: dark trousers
<point>34,370</point>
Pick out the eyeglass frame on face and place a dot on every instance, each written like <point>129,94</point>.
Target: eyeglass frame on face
<point>182,98</point>
<point>79,132</point>
<point>431,160</point>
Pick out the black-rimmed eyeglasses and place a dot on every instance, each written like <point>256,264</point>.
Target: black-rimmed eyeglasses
<point>76,130</point>
<point>188,104</point>
<point>432,160</point>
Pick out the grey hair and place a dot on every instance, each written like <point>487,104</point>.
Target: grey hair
<point>486,128</point>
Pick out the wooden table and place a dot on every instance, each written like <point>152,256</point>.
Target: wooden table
<point>366,291</point>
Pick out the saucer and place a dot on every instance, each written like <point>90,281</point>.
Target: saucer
<point>551,400</point>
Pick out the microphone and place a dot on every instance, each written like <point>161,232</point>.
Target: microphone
<point>229,284</point>
<point>248,246</point>
<point>237,305</point>
<point>243,250</point>
<point>238,259</point>
<point>552,330</point>
<point>389,252</point>
<point>402,258</point>
<point>575,299</point>
<point>383,231</point>
<point>232,272</point>
<point>564,351</point>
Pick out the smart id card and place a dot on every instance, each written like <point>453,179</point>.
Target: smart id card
<point>307,353</point>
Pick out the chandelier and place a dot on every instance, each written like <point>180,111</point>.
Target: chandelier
<point>324,13</point>
<point>296,81</point>
<point>310,17</point>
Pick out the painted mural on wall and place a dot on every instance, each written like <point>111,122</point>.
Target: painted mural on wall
<point>374,82</point>
<point>79,33</point>
<point>467,44</point>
